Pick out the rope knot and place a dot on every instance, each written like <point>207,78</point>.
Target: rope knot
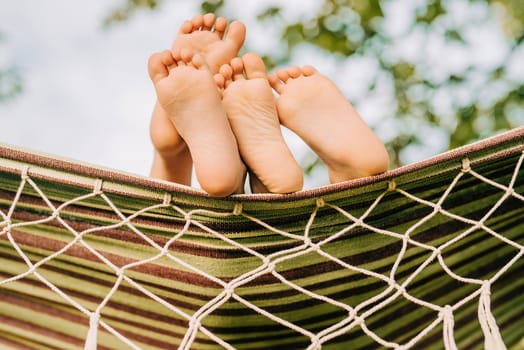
<point>486,289</point>
<point>94,318</point>
<point>392,185</point>
<point>447,312</point>
<point>466,165</point>
<point>237,210</point>
<point>167,199</point>
<point>315,342</point>
<point>400,288</point>
<point>320,202</point>
<point>194,323</point>
<point>97,188</point>
<point>229,289</point>
<point>25,172</point>
<point>359,320</point>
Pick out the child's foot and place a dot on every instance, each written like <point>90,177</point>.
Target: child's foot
<point>313,107</point>
<point>207,36</point>
<point>212,38</point>
<point>187,92</point>
<point>172,160</point>
<point>251,110</point>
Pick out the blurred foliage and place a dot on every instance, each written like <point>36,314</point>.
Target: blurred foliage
<point>10,84</point>
<point>125,11</point>
<point>346,28</point>
<point>351,27</point>
<point>10,80</point>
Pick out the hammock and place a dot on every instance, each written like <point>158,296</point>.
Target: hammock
<point>427,256</point>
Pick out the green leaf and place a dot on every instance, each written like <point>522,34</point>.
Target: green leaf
<point>430,12</point>
<point>269,13</point>
<point>212,6</point>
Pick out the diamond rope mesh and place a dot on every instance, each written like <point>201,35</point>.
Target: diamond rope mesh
<point>403,262</point>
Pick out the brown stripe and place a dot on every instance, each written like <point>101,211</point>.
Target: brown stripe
<point>79,251</point>
<point>73,167</point>
<point>40,331</point>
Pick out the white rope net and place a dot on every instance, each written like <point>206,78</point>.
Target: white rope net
<point>103,332</point>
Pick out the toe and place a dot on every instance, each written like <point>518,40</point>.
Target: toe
<point>308,70</point>
<point>294,72</point>
<point>236,34</point>
<point>227,72</point>
<point>158,65</point>
<point>254,66</point>
<point>238,68</point>
<point>198,61</point>
<point>186,55</point>
<point>176,53</point>
<point>208,20</point>
<point>220,26</point>
<point>283,74</point>
<point>220,81</point>
<point>275,83</point>
<point>197,21</point>
<point>186,27</point>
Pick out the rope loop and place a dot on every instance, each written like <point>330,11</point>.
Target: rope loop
<point>466,165</point>
<point>237,210</point>
<point>97,187</point>
<point>25,172</point>
<point>392,185</point>
<point>167,198</point>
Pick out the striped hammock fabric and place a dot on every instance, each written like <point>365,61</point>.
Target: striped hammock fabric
<point>427,256</point>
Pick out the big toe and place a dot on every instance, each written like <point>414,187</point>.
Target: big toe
<point>236,34</point>
<point>254,66</point>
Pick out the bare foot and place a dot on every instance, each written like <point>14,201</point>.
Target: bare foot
<point>211,37</point>
<point>172,160</point>
<point>250,106</point>
<point>187,92</point>
<point>218,43</point>
<point>313,107</point>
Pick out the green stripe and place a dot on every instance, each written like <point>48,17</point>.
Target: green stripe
<point>29,307</point>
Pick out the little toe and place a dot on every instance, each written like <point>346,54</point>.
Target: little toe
<point>238,68</point>
<point>254,66</point>
<point>308,70</point>
<point>208,21</point>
